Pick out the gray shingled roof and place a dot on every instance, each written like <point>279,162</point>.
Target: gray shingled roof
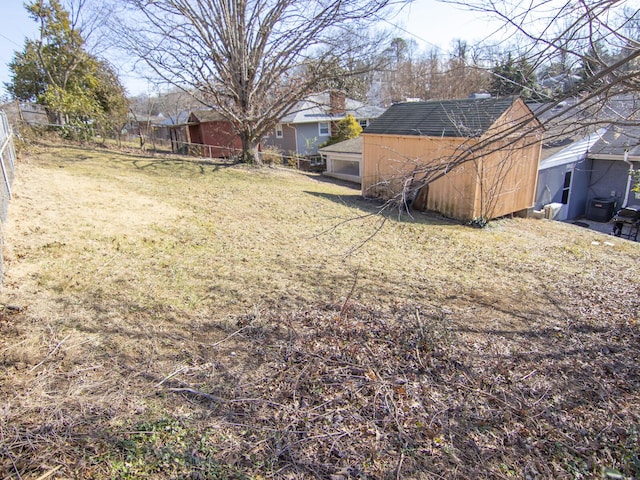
<point>353,145</point>
<point>203,116</point>
<point>616,140</point>
<point>443,118</point>
<point>315,108</point>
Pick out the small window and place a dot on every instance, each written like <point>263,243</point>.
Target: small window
<point>279,132</point>
<point>363,123</point>
<point>566,189</point>
<point>323,129</point>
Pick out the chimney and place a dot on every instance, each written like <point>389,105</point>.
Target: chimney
<point>337,103</point>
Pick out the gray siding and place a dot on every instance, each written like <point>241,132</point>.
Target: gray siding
<point>579,197</point>
<point>609,179</point>
<point>309,138</point>
<point>286,144</point>
<point>551,187</point>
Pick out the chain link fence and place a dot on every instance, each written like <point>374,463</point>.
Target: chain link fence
<point>7,164</point>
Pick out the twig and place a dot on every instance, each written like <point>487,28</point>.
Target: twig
<point>541,397</point>
<point>528,375</point>
<point>197,393</point>
<point>13,346</point>
<point>171,375</point>
<point>49,473</point>
<point>355,248</point>
<point>232,335</point>
<point>52,352</point>
<point>15,468</point>
<point>345,304</point>
<point>399,467</point>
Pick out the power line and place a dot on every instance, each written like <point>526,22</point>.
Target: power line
<point>10,40</point>
<point>437,47</point>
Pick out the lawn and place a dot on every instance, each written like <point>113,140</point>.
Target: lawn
<point>173,318</point>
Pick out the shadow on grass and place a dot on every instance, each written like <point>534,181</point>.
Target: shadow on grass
<point>373,207</point>
<point>203,166</point>
<point>143,161</point>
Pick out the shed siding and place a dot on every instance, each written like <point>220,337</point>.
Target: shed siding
<point>498,183</point>
<point>507,178</point>
<point>388,159</point>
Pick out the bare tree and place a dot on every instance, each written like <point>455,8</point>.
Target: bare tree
<point>247,58</point>
<point>462,73</point>
<point>431,74</point>
<point>600,36</point>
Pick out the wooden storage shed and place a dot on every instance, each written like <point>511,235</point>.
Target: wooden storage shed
<point>478,157</point>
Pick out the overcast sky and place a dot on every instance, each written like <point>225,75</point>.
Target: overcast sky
<point>428,22</point>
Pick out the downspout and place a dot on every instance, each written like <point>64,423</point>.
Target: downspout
<point>629,177</point>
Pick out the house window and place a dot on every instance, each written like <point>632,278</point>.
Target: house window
<point>363,123</point>
<point>323,129</point>
<point>566,187</point>
<point>279,132</point>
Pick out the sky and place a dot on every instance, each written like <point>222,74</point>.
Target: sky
<point>428,22</point>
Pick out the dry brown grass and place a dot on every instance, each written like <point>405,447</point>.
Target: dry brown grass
<point>169,318</point>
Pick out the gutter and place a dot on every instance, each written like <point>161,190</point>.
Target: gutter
<point>603,156</point>
<point>629,177</point>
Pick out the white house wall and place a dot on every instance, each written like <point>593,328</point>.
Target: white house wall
<point>344,166</point>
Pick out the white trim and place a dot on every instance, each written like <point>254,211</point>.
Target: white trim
<point>279,131</point>
<point>598,156</point>
<point>328,124</point>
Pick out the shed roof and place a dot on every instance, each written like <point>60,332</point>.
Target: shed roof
<point>176,120</point>
<point>353,145</point>
<point>203,116</point>
<point>442,118</point>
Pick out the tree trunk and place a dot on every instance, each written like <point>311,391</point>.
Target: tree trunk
<point>250,152</point>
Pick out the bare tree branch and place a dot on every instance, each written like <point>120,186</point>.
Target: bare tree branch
<point>249,59</point>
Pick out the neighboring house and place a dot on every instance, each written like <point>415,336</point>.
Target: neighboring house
<point>215,133</point>
<point>205,133</point>
<point>564,176</point>
<point>500,138</point>
<point>25,112</point>
<point>309,124</point>
<point>562,83</point>
<point>145,125</point>
<point>343,160</point>
<point>611,159</point>
<point>176,130</point>
<point>587,175</point>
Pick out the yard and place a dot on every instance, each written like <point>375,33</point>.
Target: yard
<point>171,318</point>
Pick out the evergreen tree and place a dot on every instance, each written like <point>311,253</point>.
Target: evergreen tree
<point>513,77</point>
<point>345,129</point>
<point>57,72</point>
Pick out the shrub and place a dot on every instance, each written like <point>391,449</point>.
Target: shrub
<point>271,156</point>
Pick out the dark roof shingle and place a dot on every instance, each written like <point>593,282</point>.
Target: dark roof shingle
<point>442,118</point>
